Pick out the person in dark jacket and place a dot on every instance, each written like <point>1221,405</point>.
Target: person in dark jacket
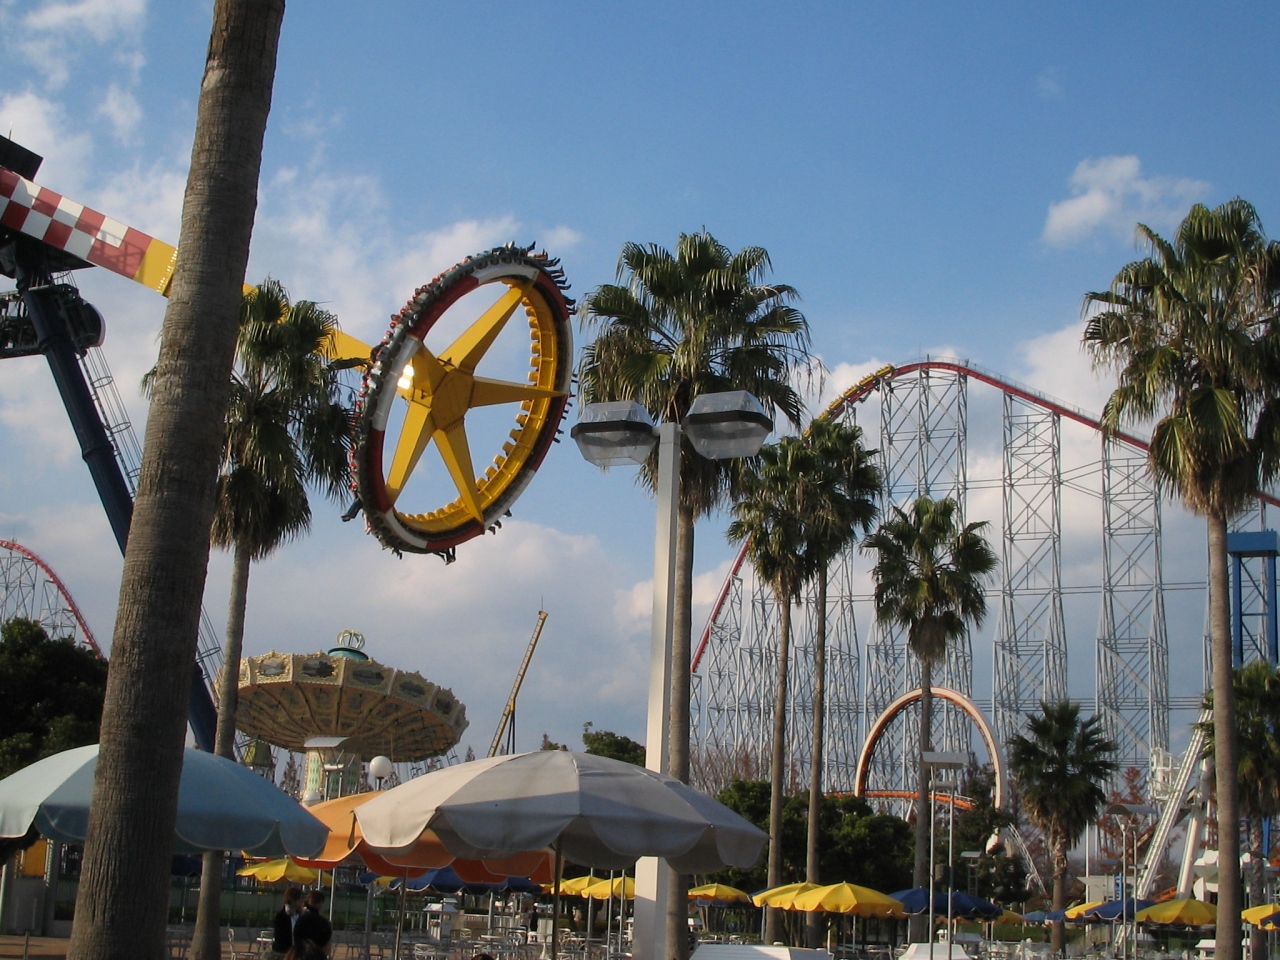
<point>313,925</point>
<point>282,938</point>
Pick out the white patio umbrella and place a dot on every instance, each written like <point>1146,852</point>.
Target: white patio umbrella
<point>594,811</point>
<point>221,806</point>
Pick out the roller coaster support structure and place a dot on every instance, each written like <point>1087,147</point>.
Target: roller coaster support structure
<point>47,305</point>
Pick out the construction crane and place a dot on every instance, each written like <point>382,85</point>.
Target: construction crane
<point>507,723</point>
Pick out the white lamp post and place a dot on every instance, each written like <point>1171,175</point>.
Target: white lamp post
<point>937,760</point>
<point>720,426</point>
<point>1124,811</point>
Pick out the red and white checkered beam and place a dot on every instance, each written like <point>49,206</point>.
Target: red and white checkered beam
<point>92,236</point>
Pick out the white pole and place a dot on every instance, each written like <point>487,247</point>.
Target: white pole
<point>951,879</point>
<point>650,909</point>
<point>933,818</point>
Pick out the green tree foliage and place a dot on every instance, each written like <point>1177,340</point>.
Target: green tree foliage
<point>1060,767</point>
<point>606,743</point>
<point>1191,331</point>
<point>857,844</point>
<point>51,694</point>
<point>999,877</point>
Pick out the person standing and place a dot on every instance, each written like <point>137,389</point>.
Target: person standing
<point>313,925</point>
<point>282,938</point>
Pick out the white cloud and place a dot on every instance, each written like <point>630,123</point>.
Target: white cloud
<point>41,124</point>
<point>1110,195</point>
<point>123,111</point>
<point>50,35</point>
<point>1056,364</point>
<point>558,239</point>
<point>1049,83</point>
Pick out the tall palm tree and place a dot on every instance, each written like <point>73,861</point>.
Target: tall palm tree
<point>1257,702</point>
<point>1060,769</point>
<point>286,430</point>
<point>845,492</point>
<point>1191,331</point>
<point>123,898</point>
<point>769,517</point>
<point>929,572</point>
<point>675,326</point>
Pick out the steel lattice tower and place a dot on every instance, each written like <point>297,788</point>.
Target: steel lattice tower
<point>923,438</point>
<point>923,449</point>
<point>1133,649</point>
<point>1030,661</point>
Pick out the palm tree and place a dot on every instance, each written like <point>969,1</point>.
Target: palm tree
<point>845,494</point>
<point>1257,734</point>
<point>123,897</point>
<point>1059,770</point>
<point>769,518</point>
<point>928,574</point>
<point>699,321</point>
<point>286,430</point>
<point>803,500</point>
<point>1191,332</point>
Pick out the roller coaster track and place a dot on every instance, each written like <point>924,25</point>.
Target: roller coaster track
<point>863,389</point>
<point>65,594</point>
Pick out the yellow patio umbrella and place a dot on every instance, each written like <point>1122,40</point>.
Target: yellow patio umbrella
<point>1078,911</point>
<point>604,889</point>
<point>273,871</point>
<point>1010,917</point>
<point>573,886</point>
<point>1256,915</point>
<point>848,898</point>
<point>782,897</point>
<point>1187,913</point>
<point>718,893</point>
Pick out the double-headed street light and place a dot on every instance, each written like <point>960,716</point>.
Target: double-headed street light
<point>719,426</point>
<point>937,760</point>
<point>1124,811</point>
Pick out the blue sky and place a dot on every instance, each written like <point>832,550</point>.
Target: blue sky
<point>932,178</point>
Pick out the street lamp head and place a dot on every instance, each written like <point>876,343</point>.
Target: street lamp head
<point>724,426</point>
<point>617,431</point>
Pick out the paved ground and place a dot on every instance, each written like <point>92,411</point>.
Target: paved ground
<point>11,948</point>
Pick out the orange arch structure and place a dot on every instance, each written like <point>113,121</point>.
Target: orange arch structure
<point>912,696</point>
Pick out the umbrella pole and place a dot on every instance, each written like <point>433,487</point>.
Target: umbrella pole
<point>591,904</point>
<point>555,903</point>
<point>404,887</point>
<point>608,919</point>
<point>368,919</point>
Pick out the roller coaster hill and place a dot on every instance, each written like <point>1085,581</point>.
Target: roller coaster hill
<point>1021,460</point>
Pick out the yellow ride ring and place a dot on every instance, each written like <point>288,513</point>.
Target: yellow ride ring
<point>441,389</point>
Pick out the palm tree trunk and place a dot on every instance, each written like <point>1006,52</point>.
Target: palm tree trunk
<point>815,757</point>
<point>677,907</point>
<point>777,761</point>
<point>206,940</point>
<point>1225,753</point>
<point>1057,928</point>
<point>918,925</point>
<point>123,899</point>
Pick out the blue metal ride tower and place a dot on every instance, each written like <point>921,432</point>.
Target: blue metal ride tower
<point>1254,633</point>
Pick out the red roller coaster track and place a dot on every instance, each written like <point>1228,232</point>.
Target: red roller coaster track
<point>863,388</point>
<point>62,589</point>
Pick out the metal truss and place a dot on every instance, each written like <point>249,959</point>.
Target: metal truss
<point>923,450</point>
<point>1133,649</point>
<point>922,432</point>
<point>1030,662</point>
<point>30,589</point>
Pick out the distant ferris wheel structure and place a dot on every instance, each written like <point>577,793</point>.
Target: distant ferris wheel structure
<point>29,588</point>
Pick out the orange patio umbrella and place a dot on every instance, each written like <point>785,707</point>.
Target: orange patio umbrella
<point>346,843</point>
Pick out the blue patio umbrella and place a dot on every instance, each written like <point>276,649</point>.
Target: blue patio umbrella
<point>1040,916</point>
<point>1112,908</point>
<point>221,806</point>
<point>916,901</point>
